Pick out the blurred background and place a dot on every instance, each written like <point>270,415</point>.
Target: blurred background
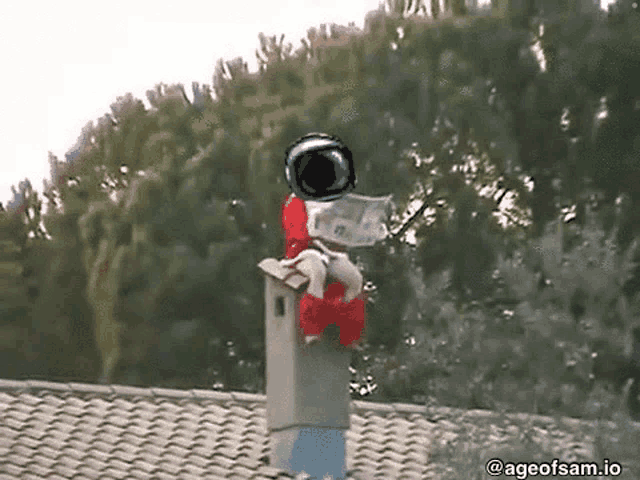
<point>508,133</point>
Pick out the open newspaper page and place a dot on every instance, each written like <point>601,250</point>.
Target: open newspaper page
<point>352,221</point>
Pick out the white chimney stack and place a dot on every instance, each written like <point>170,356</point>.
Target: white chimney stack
<point>307,386</point>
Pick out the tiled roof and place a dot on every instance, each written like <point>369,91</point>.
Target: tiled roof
<point>80,431</point>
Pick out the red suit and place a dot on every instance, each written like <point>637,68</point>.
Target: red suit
<point>315,313</point>
<point>294,222</point>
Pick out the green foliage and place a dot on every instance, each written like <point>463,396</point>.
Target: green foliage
<point>34,282</point>
<point>521,348</point>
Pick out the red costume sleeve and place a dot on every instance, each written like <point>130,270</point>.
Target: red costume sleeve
<point>294,222</point>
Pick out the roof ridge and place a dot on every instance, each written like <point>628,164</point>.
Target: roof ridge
<point>70,388</point>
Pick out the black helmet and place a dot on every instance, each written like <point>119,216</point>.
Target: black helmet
<point>319,167</point>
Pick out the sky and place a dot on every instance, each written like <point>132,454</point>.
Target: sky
<point>66,62</point>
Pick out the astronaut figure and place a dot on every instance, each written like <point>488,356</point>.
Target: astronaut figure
<point>319,167</point>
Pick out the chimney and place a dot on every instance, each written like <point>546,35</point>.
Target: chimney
<point>307,386</point>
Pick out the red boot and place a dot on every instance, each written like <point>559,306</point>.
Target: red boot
<point>352,321</point>
<point>334,307</point>
<point>312,315</point>
<point>334,292</point>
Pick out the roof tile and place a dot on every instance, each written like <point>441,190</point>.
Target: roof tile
<point>58,433</point>
<point>124,405</point>
<point>409,475</point>
<point>164,424</point>
<point>47,451</point>
<point>365,468</point>
<point>159,436</point>
<point>107,439</point>
<point>122,420</point>
<point>72,453</point>
<point>216,470</point>
<point>91,422</point>
<point>144,466</point>
<point>21,455</point>
<point>92,463</point>
<point>170,464</point>
<point>185,429</point>
<point>85,437</point>
<point>19,412</point>
<point>61,469</point>
<point>30,476</point>
<point>89,470</point>
<point>78,446</point>
<point>152,449</point>
<point>113,472</point>
<point>223,461</point>
<point>269,472</point>
<point>198,460</point>
<point>394,456</point>
<point>98,432</point>
<point>69,461</point>
<point>70,417</point>
<point>32,435</point>
<point>53,399</point>
<point>416,457</point>
<point>42,414</point>
<point>126,455</point>
<point>42,460</point>
<point>15,470</point>
<point>188,476</point>
<point>137,474</point>
<point>241,472</point>
<point>13,423</point>
<point>168,409</point>
<point>177,450</point>
<point>193,469</point>
<point>30,399</point>
<point>137,432</point>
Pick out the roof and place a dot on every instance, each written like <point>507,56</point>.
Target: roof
<point>110,432</point>
<point>85,431</point>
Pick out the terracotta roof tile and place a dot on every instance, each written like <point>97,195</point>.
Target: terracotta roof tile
<point>83,432</point>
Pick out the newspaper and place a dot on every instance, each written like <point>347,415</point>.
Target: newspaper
<point>352,221</point>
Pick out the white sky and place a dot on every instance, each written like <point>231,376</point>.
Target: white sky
<point>65,62</point>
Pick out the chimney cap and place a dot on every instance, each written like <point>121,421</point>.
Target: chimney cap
<point>289,276</point>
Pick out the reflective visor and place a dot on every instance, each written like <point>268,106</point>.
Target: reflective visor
<point>320,169</point>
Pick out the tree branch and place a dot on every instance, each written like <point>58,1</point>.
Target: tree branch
<point>398,235</point>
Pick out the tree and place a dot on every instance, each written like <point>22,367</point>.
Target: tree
<point>458,120</point>
<point>20,277</point>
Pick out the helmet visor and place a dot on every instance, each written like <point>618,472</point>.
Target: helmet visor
<point>323,173</point>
